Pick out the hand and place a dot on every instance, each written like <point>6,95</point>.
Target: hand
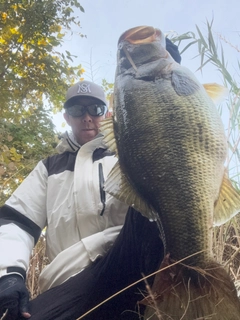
<point>14,297</point>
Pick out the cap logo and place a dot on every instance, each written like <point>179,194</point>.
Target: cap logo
<point>84,88</point>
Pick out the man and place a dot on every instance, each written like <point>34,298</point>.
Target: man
<point>65,193</point>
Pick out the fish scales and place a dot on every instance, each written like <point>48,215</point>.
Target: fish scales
<point>177,149</point>
<point>171,150</point>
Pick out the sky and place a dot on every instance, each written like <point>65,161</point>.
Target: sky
<point>105,20</point>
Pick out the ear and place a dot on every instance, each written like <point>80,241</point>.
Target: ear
<point>66,117</point>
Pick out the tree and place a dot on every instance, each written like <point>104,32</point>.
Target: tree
<point>34,77</point>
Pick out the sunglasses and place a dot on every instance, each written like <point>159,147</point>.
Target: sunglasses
<point>95,110</point>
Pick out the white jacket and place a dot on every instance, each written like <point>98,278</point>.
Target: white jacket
<point>65,193</point>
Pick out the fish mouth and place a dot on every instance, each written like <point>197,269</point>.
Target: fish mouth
<point>140,35</point>
<point>131,54</point>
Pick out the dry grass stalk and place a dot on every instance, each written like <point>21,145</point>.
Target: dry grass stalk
<point>226,252</point>
<point>184,292</point>
<point>37,262</point>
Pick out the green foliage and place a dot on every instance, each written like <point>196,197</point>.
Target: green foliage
<point>108,88</point>
<point>34,77</point>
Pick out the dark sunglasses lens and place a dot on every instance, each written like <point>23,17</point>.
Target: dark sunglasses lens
<point>96,110</point>
<point>76,111</point>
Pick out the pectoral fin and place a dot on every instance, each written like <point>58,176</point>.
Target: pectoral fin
<point>228,203</point>
<point>106,128</point>
<point>118,186</point>
<point>216,92</point>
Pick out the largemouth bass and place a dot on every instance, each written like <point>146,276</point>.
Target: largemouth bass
<point>171,147</point>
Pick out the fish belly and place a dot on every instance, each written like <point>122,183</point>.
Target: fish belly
<point>172,149</point>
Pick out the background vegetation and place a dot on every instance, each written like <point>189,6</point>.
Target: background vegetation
<point>34,76</point>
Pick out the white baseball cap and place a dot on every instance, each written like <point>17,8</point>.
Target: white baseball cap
<point>85,89</point>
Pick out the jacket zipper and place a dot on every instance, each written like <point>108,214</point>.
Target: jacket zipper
<point>101,184</point>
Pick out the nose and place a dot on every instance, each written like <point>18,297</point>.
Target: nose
<point>86,117</point>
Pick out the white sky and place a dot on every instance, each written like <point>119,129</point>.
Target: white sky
<point>105,20</point>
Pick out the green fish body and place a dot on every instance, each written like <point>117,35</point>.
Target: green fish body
<point>171,148</point>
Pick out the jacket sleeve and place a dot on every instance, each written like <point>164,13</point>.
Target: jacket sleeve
<point>99,243</point>
<point>77,257</point>
<point>21,220</point>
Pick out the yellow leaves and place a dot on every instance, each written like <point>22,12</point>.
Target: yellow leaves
<point>60,35</point>
<point>80,72</point>
<point>59,28</point>
<point>2,41</point>
<point>55,28</point>
<point>4,16</point>
<point>13,30</point>
<point>20,39</point>
<point>8,34</point>
<point>14,155</point>
<point>56,58</point>
<point>9,155</point>
<point>20,179</point>
<point>42,42</point>
<point>14,7</point>
<point>48,41</point>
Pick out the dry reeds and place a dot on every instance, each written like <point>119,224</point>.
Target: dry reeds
<point>37,262</point>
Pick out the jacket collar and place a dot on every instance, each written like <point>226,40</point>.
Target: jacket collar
<point>69,143</point>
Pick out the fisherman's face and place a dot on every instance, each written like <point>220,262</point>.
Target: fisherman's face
<point>84,127</point>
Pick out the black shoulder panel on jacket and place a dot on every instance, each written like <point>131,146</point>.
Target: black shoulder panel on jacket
<point>60,162</point>
<point>65,161</point>
<point>10,215</point>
